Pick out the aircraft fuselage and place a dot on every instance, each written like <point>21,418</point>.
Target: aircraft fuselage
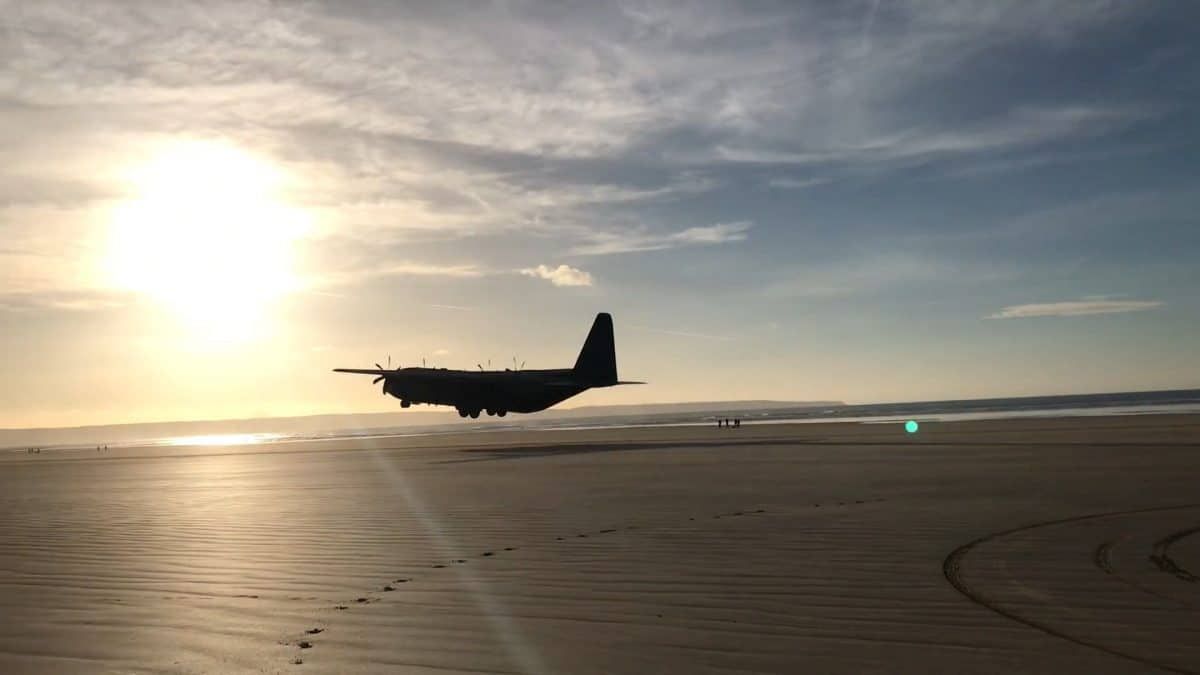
<point>522,391</point>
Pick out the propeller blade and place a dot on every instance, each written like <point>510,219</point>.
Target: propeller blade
<point>389,361</point>
<point>376,380</point>
<point>378,367</point>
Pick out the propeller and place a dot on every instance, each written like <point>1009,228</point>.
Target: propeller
<point>389,367</point>
<point>515,364</point>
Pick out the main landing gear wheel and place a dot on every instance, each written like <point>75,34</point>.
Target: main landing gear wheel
<point>474,414</point>
<point>462,412</point>
<point>405,404</point>
<point>501,413</point>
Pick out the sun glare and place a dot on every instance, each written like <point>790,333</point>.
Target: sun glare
<point>208,236</point>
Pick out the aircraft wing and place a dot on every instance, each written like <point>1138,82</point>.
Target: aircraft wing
<point>365,371</point>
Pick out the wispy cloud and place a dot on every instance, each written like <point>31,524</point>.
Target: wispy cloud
<point>62,301</point>
<point>1021,127</point>
<point>363,273</point>
<point>563,275</point>
<point>404,122</point>
<point>681,333</point>
<point>606,243</point>
<point>1075,308</point>
<point>874,272</point>
<point>786,183</point>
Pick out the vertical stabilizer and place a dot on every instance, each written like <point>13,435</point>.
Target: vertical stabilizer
<point>597,362</point>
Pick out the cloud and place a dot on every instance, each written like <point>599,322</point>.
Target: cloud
<point>411,122</point>
<point>883,271</point>
<point>1020,127</point>
<point>680,333</point>
<point>84,301</point>
<point>366,272</point>
<point>785,183</point>
<point>563,275</point>
<point>1075,308</point>
<point>606,243</point>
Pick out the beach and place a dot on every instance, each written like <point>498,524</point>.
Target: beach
<point>1024,545</point>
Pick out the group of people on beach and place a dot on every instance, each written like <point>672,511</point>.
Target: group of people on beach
<point>38,451</point>
<point>727,423</point>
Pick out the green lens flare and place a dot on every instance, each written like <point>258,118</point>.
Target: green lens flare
<point>911,426</point>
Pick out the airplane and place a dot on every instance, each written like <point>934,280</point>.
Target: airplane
<point>500,392</point>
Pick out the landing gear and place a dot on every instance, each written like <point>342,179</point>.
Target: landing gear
<point>404,403</point>
<point>462,412</point>
<point>501,413</point>
<point>474,414</point>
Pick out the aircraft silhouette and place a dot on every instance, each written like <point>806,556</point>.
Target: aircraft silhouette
<point>500,392</point>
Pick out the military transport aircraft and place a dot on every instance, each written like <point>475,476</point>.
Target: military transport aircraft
<point>500,392</point>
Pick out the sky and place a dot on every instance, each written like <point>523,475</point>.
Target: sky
<point>204,207</point>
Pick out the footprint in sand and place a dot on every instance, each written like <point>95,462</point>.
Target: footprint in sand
<point>297,660</point>
<point>401,581</point>
<point>340,607</point>
<point>304,644</point>
<point>510,548</point>
<point>487,554</point>
<point>438,566</point>
<point>314,631</point>
<point>388,589</point>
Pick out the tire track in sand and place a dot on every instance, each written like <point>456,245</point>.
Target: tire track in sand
<point>952,569</point>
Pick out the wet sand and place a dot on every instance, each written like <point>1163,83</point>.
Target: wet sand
<point>1035,545</point>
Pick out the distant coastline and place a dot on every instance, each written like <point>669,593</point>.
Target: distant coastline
<point>654,414</point>
<point>322,424</point>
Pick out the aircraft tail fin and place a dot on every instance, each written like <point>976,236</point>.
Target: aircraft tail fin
<point>597,360</point>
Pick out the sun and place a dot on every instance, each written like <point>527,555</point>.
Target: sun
<point>208,236</point>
